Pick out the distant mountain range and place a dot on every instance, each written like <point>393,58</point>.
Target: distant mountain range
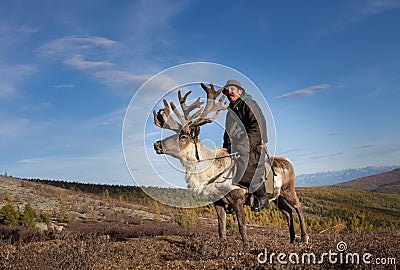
<point>387,182</point>
<point>335,177</point>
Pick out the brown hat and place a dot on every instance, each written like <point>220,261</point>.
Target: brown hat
<point>234,83</point>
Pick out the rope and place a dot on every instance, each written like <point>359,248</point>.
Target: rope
<point>236,155</point>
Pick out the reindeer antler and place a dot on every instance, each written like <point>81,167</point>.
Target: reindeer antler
<point>211,105</point>
<point>169,122</point>
<point>188,108</point>
<point>164,119</point>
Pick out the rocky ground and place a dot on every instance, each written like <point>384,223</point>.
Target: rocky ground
<point>100,239</point>
<point>164,245</point>
<point>75,205</point>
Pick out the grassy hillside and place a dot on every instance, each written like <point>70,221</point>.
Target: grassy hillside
<point>387,182</point>
<point>351,209</point>
<point>116,227</point>
<point>325,208</point>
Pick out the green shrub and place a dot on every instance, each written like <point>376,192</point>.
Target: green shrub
<point>9,216</point>
<point>187,219</point>
<point>62,216</point>
<point>28,217</point>
<point>44,218</point>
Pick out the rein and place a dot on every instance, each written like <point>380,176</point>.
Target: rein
<point>234,155</point>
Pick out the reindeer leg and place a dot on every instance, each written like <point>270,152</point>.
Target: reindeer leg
<point>287,211</point>
<point>220,209</point>
<point>237,198</point>
<point>295,202</point>
<point>241,218</point>
<point>299,210</point>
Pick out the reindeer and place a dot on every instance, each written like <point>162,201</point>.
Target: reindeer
<point>210,171</point>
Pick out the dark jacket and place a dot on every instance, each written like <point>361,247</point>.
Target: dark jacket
<point>245,116</point>
<point>252,119</point>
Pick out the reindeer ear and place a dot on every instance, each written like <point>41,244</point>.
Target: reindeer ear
<point>194,132</point>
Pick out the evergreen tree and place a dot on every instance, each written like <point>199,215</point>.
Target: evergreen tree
<point>28,217</point>
<point>44,218</point>
<point>8,215</point>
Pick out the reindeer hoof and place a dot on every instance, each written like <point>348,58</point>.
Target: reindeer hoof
<point>222,250</point>
<point>246,248</point>
<point>305,239</point>
<point>294,238</point>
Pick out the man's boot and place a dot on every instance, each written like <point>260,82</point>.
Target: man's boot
<point>261,197</point>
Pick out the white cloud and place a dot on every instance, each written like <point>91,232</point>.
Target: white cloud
<point>115,63</point>
<point>120,79</point>
<point>75,51</point>
<point>70,46</point>
<point>78,62</point>
<point>309,91</point>
<point>126,83</point>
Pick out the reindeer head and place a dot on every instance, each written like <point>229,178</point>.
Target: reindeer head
<point>182,145</point>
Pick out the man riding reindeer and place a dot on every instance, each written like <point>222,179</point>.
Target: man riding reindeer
<point>245,117</point>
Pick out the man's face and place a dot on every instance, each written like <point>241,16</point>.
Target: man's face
<point>233,93</point>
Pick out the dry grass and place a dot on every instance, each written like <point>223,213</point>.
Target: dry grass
<point>112,234</point>
<point>164,245</point>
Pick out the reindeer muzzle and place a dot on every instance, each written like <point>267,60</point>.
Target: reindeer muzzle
<point>158,147</point>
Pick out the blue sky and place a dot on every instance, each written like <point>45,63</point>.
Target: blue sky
<point>329,71</point>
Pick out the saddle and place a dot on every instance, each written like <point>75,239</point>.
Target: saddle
<point>273,191</point>
<point>270,182</point>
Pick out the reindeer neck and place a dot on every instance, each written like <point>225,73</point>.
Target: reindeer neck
<point>199,172</point>
<point>197,153</point>
<point>203,152</point>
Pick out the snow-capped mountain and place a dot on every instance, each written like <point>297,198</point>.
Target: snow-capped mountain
<point>334,177</point>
